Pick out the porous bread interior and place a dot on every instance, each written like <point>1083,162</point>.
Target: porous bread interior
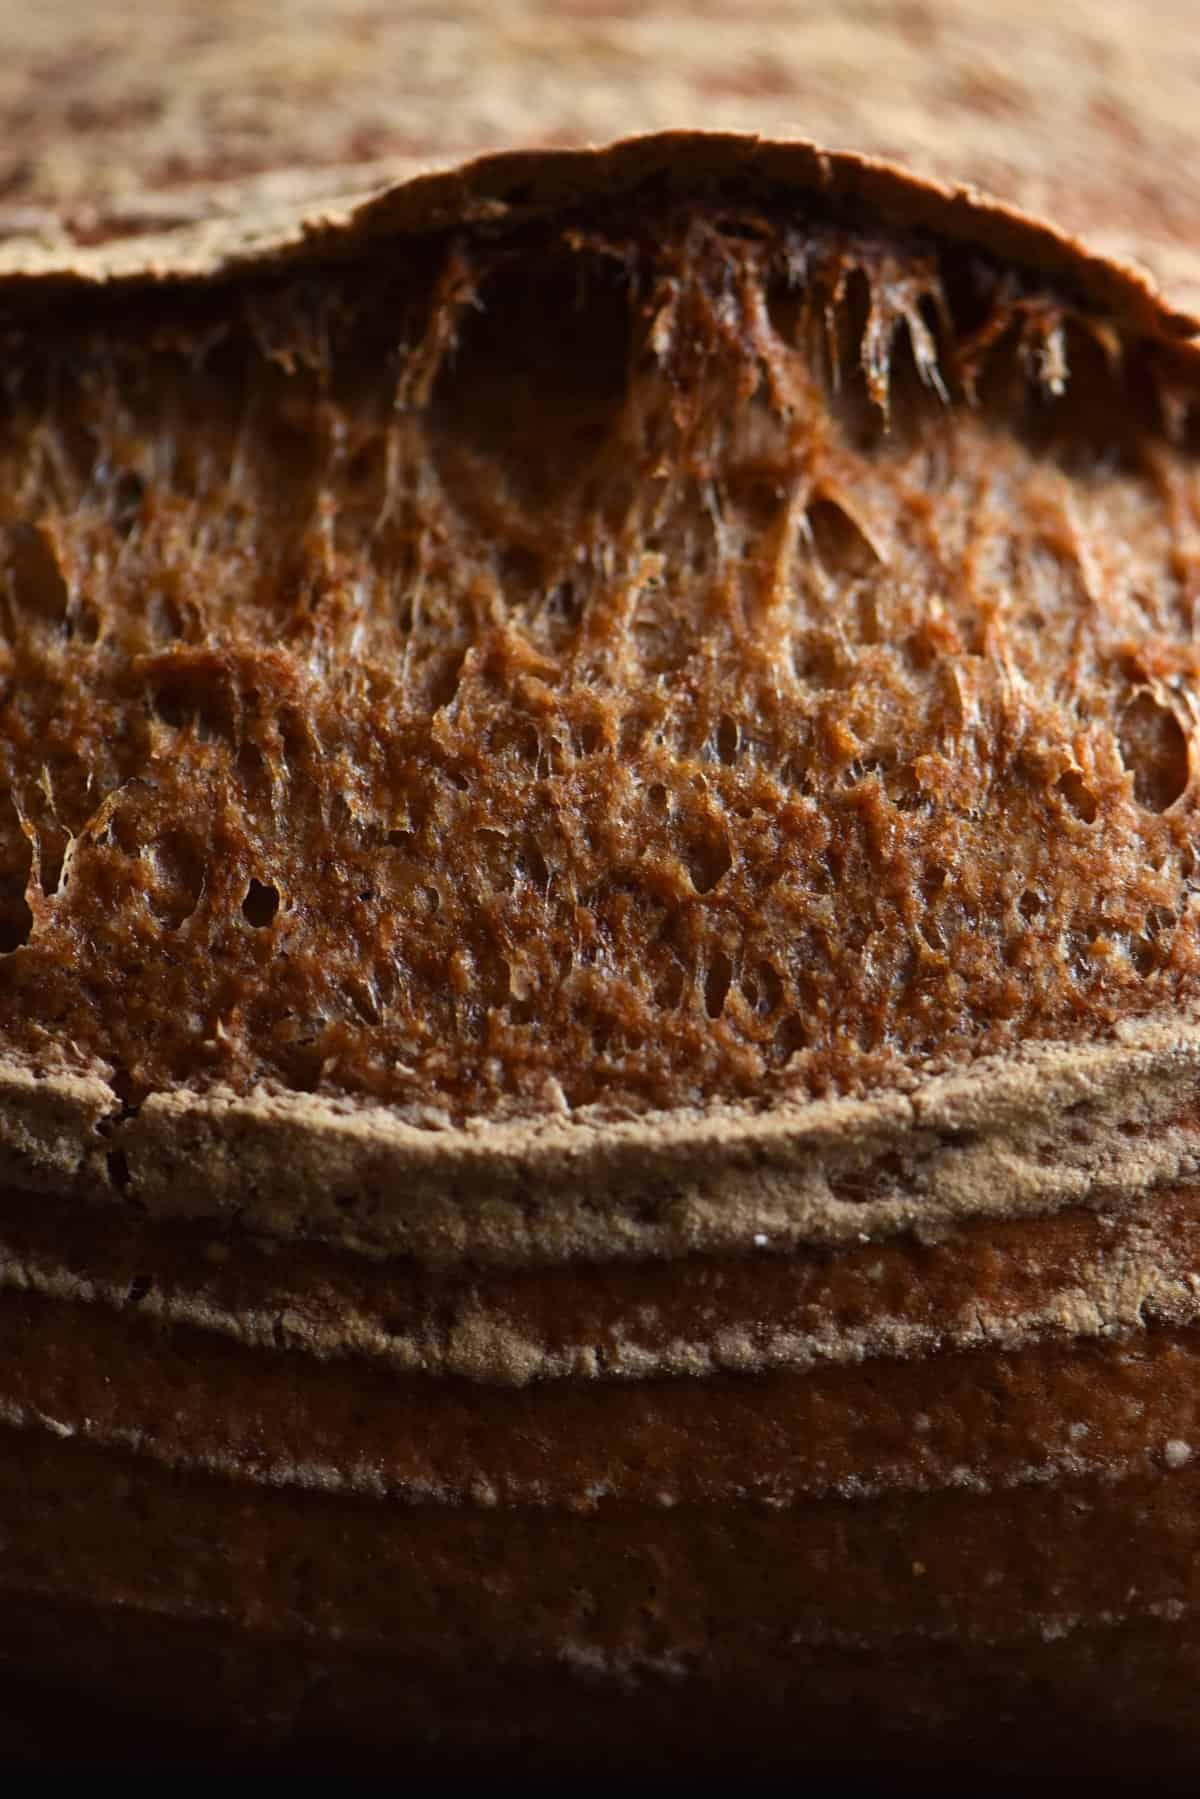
<point>634,661</point>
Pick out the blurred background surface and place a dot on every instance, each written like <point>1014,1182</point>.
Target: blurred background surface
<point>120,118</point>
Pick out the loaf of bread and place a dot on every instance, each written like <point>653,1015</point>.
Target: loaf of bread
<point>599,962</point>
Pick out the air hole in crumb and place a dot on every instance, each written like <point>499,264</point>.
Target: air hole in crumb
<point>534,866</point>
<point>163,618</point>
<point>932,933</point>
<point>708,858</point>
<point>16,922</point>
<point>129,1091</point>
<point>1144,955</point>
<point>139,1286</point>
<point>178,865</point>
<point>189,699</point>
<point>37,580</point>
<point>128,492</point>
<point>790,1037</point>
<point>364,465</point>
<point>716,987</point>
<point>303,1063</point>
<point>786,310</point>
<point>656,794</point>
<point>16,862</point>
<point>728,739</point>
<point>769,989</point>
<point>519,571</point>
<point>83,622</point>
<point>635,727</point>
<point>562,607</point>
<point>817,657</point>
<point>839,543</point>
<point>797,771</point>
<point>564,336</point>
<point>671,983</point>
<point>919,651</point>
<point>762,988</point>
<point>118,1168</point>
<point>1076,793</point>
<point>442,679</point>
<point>1155,750</point>
<point>260,904</point>
<point>1030,903</point>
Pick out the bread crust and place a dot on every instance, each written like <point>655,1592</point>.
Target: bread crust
<point>1055,1126</point>
<point>511,188</point>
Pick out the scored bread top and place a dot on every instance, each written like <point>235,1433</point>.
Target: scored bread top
<point>696,631</point>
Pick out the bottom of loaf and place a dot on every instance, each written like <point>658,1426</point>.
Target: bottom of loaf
<point>225,1551</point>
<point>128,1691</point>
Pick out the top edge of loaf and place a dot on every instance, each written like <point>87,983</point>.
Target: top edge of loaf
<point>508,188</point>
<point>124,122</point>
